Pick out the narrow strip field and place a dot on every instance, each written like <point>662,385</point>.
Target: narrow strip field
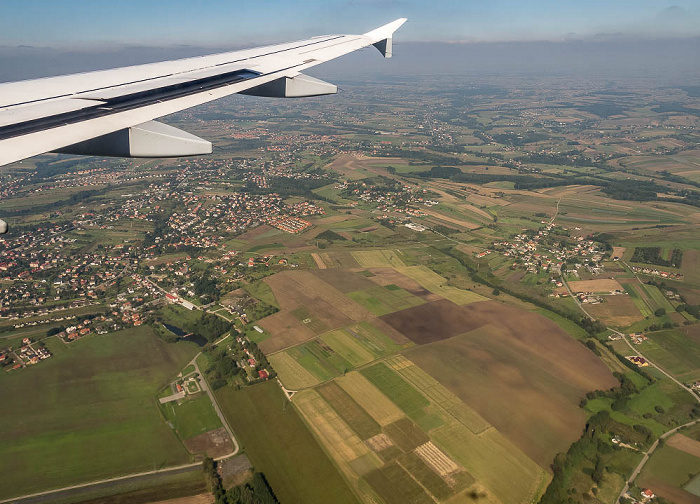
<point>278,444</point>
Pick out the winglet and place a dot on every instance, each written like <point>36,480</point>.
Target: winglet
<point>382,37</point>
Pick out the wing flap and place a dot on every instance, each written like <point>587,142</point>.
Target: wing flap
<point>47,114</point>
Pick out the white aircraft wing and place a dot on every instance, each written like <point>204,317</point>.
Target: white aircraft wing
<point>111,112</point>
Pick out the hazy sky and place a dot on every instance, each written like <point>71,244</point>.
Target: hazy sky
<point>76,23</point>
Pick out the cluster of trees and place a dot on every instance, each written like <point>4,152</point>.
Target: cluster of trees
<point>255,491</point>
<point>208,326</point>
<point>330,236</point>
<point>205,285</point>
<point>593,446</point>
<point>652,255</point>
<point>223,367</point>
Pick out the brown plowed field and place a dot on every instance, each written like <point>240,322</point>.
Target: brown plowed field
<point>215,443</point>
<point>286,330</point>
<point>518,370</point>
<point>684,443</point>
<point>327,307</point>
<point>438,320</point>
<point>344,280</point>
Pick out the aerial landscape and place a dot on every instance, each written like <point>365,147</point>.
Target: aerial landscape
<point>424,289</point>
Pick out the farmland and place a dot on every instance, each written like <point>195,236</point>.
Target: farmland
<point>409,436</point>
<point>486,367</point>
<point>96,396</point>
<point>675,352</point>
<point>281,446</point>
<point>333,354</point>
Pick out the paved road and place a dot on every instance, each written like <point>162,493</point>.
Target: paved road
<point>644,460</point>
<point>653,447</point>
<point>205,387</point>
<point>76,491</point>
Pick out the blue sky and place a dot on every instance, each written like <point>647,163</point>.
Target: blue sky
<point>235,22</point>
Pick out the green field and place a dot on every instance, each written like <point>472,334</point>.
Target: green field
<point>279,445</point>
<point>658,299</point>
<point>333,354</point>
<point>438,285</point>
<point>193,416</point>
<point>408,399</point>
<point>260,290</point>
<point>89,412</point>
<point>361,343</point>
<point>377,259</point>
<point>671,465</point>
<point>672,350</point>
<point>383,300</point>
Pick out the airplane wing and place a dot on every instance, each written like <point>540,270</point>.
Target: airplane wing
<point>111,112</point>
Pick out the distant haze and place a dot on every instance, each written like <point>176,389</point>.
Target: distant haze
<point>672,60</point>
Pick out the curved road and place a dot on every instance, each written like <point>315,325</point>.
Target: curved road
<point>76,490</point>
<point>653,447</point>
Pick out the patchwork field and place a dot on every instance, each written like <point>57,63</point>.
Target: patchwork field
<point>383,300</point>
<point>398,434</point>
<point>438,285</point>
<point>519,360</point>
<point>675,352</point>
<point>331,355</point>
<point>279,445</point>
<point>308,306</point>
<point>96,397</point>
<point>668,471</point>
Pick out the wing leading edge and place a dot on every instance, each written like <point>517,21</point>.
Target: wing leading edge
<point>111,112</point>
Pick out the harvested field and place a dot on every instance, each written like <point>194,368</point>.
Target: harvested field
<point>378,259</point>
<point>215,443</point>
<point>348,409</point>
<point>426,476</point>
<point>286,330</point>
<point>379,442</point>
<point>293,375</point>
<point>373,401</point>
<point>327,308</point>
<point>404,434</point>
<point>618,252</point>
<point>617,311</point>
<point>495,462</point>
<point>598,285</point>
<point>436,459</point>
<point>396,486</point>
<point>339,260</point>
<point>684,443</point>
<point>360,343</point>
<point>436,321</point>
<point>255,233</point>
<point>344,280</point>
<point>337,436</point>
<point>438,285</point>
<point>521,359</point>
<point>296,289</point>
<point>319,262</point>
<point>389,276</point>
